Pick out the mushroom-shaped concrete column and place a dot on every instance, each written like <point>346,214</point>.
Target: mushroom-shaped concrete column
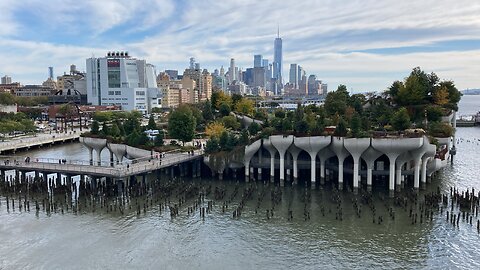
<point>324,155</point>
<point>119,150</point>
<point>282,143</point>
<point>429,154</point>
<point>312,145</point>
<point>394,147</point>
<point>295,151</point>
<point>90,150</point>
<point>370,155</point>
<point>356,147</point>
<point>250,151</point>
<point>417,155</point>
<point>404,157</point>
<point>342,154</point>
<point>97,144</point>
<point>271,149</point>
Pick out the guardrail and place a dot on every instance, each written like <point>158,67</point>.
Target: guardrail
<point>137,166</point>
<point>43,139</point>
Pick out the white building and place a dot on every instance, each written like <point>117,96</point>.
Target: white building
<point>119,79</point>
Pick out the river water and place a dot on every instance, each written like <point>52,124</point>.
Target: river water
<point>154,240</point>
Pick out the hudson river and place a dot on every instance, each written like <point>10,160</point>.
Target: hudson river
<point>154,240</point>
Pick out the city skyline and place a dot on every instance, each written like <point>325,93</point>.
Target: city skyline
<point>364,45</point>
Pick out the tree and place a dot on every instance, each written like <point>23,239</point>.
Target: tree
<point>181,124</point>
<point>132,123</point>
<point>286,125</point>
<point>439,129</point>
<point>356,126</point>
<point>244,140</point>
<point>102,116</point>
<point>453,94</point>
<point>7,99</point>
<point>214,129</point>
<point>280,113</point>
<point>224,109</point>
<point>301,126</point>
<point>159,139</point>
<point>105,130</point>
<point>401,119</point>
<point>219,98</point>
<point>336,102</point>
<point>212,145</point>
<point>254,128</point>
<point>235,99</point>
<point>114,130</point>
<point>434,113</point>
<point>95,127</point>
<point>245,106</point>
<point>231,122</point>
<point>207,111</point>
<point>341,129</point>
<point>133,138</point>
<point>151,123</point>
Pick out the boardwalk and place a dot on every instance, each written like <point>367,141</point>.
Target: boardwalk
<point>39,140</point>
<point>72,167</point>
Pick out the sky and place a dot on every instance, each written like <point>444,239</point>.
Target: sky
<point>364,44</point>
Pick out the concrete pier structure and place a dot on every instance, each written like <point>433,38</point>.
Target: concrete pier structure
<point>390,156</point>
<point>312,145</point>
<point>356,147</point>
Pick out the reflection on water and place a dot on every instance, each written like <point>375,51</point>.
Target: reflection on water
<point>155,240</point>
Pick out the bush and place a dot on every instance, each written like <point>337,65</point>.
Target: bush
<point>434,113</point>
<point>439,129</point>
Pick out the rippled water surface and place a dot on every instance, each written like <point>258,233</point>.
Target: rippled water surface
<point>153,240</point>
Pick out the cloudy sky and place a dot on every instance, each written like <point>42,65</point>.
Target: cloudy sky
<point>365,44</point>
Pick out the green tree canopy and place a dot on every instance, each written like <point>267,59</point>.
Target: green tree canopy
<point>207,111</point>
<point>401,119</point>
<point>181,124</point>
<point>95,127</point>
<point>151,123</point>
<point>341,128</point>
<point>336,102</point>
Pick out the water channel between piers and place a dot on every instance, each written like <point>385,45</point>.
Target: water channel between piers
<point>153,240</point>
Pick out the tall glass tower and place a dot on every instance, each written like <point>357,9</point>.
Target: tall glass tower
<point>277,60</point>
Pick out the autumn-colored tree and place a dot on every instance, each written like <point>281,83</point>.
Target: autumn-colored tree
<point>245,106</point>
<point>440,95</point>
<point>214,129</point>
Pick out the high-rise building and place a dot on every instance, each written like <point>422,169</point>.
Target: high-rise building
<point>232,70</point>
<point>257,60</point>
<point>277,63</point>
<point>294,75</point>
<point>265,63</point>
<point>50,73</point>
<point>259,79</point>
<point>192,63</point>
<point>118,79</point>
<point>312,85</point>
<point>249,77</point>
<point>6,79</point>
<point>173,74</point>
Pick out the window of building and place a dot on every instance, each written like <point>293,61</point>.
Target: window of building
<point>110,93</point>
<point>118,93</point>
<point>140,93</point>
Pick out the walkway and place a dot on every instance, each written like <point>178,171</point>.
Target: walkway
<point>75,167</point>
<point>39,140</point>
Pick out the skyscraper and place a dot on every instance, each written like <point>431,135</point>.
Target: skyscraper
<point>294,75</point>
<point>277,61</point>
<point>50,73</point>
<point>257,60</point>
<point>232,72</point>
